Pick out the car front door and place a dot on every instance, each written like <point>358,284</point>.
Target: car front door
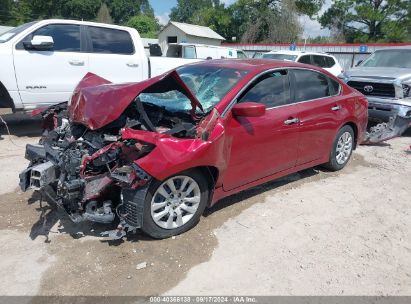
<point>113,56</point>
<point>50,76</point>
<point>262,146</point>
<point>321,112</point>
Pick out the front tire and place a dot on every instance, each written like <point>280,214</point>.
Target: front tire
<point>341,149</point>
<point>174,206</point>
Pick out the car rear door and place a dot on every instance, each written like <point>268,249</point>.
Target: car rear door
<point>321,112</point>
<point>50,76</point>
<point>113,55</point>
<point>262,146</point>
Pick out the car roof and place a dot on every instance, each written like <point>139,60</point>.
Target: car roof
<point>254,65</point>
<point>89,23</point>
<point>288,52</point>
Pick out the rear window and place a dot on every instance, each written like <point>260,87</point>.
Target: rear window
<point>318,61</point>
<point>329,62</point>
<point>110,41</point>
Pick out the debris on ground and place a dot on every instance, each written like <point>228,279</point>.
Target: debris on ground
<point>141,265</point>
<point>395,127</point>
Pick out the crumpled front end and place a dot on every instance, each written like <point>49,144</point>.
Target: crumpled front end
<point>84,175</point>
<point>87,162</point>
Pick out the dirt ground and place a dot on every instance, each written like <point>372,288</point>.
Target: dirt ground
<point>311,233</point>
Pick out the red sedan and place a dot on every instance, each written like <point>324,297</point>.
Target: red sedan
<point>160,151</point>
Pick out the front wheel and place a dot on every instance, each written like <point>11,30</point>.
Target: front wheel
<point>174,206</point>
<point>342,149</point>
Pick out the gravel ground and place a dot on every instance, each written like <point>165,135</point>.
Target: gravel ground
<point>311,233</point>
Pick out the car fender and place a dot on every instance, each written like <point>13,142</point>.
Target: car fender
<point>173,155</point>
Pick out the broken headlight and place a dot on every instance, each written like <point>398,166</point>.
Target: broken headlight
<point>132,176</point>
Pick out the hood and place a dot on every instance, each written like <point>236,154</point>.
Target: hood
<point>96,102</point>
<point>379,73</point>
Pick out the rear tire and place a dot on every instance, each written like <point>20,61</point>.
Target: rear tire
<point>175,205</point>
<point>341,149</point>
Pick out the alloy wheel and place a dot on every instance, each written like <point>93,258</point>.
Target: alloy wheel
<point>344,148</point>
<point>175,202</point>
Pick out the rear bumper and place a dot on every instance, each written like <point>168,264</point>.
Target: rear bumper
<point>383,108</point>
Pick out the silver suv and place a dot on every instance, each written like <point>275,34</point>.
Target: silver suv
<point>385,78</point>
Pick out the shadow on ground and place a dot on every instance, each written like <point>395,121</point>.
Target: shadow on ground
<point>20,125</point>
<point>49,214</point>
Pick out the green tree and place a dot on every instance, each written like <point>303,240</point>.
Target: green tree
<point>266,20</point>
<point>147,26</point>
<point>103,15</point>
<point>368,20</point>
<point>80,9</point>
<point>21,12</point>
<point>185,9</point>
<point>44,9</point>
<point>309,7</point>
<point>217,17</point>
<point>6,17</point>
<point>123,10</point>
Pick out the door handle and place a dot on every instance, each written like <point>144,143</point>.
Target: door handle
<point>76,62</point>
<point>291,121</point>
<point>336,108</point>
<point>132,64</point>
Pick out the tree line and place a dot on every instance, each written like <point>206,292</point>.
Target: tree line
<point>135,13</point>
<point>247,21</point>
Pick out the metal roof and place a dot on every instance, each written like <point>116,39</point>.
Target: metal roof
<point>196,30</point>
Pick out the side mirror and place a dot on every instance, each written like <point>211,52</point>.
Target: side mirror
<point>359,62</point>
<point>42,43</point>
<point>249,109</point>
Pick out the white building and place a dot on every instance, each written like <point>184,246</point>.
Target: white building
<point>176,32</point>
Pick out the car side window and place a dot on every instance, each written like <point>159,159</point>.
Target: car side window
<point>329,62</point>
<point>305,59</point>
<point>319,61</point>
<point>110,41</point>
<point>335,87</point>
<point>66,37</point>
<point>310,85</point>
<point>271,89</point>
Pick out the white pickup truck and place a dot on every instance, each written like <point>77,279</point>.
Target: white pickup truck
<point>41,62</point>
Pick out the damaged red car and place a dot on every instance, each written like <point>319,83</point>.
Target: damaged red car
<point>155,154</point>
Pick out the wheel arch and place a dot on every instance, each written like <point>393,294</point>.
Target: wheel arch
<point>354,126</point>
<point>211,174</point>
<point>5,99</point>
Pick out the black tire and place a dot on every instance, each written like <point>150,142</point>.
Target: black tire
<point>155,231</point>
<point>334,164</point>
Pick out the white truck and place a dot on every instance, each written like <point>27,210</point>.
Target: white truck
<point>41,62</point>
<point>202,51</point>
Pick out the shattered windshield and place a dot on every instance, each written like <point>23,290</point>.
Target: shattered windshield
<point>391,58</point>
<point>14,31</point>
<point>280,56</point>
<point>209,84</point>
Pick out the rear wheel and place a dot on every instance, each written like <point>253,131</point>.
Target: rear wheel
<point>174,206</point>
<point>342,149</point>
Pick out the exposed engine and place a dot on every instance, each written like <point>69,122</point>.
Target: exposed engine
<point>83,170</point>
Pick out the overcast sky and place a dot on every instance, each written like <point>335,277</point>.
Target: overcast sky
<point>311,27</point>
